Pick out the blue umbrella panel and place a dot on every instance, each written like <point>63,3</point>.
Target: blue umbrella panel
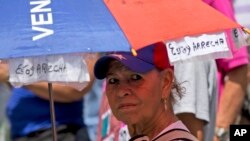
<point>47,27</point>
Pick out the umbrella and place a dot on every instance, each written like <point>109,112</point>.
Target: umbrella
<point>45,27</point>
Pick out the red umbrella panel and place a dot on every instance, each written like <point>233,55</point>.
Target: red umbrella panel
<point>148,21</point>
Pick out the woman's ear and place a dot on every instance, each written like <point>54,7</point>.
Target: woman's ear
<point>167,78</point>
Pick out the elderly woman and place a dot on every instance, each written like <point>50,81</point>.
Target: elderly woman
<point>139,93</point>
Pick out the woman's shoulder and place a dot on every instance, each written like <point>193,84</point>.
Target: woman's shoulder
<point>177,131</point>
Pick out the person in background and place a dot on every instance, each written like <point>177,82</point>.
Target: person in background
<point>138,89</point>
<point>4,96</point>
<point>233,69</point>
<point>92,103</point>
<point>91,108</point>
<point>197,108</point>
<point>4,125</point>
<point>245,112</point>
<point>242,15</point>
<point>231,78</point>
<point>29,114</point>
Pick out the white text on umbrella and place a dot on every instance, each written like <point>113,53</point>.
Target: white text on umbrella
<point>38,14</point>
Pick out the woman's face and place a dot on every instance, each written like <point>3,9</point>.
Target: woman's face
<point>134,97</point>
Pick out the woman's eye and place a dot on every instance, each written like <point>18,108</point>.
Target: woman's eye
<point>136,77</point>
<point>113,81</point>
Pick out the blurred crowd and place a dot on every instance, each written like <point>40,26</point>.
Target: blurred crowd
<point>217,95</point>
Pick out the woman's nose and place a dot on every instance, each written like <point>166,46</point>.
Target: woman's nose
<point>123,90</point>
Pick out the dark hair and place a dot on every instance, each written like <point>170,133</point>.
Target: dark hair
<point>178,90</point>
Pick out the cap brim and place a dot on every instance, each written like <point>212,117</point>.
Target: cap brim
<point>128,60</point>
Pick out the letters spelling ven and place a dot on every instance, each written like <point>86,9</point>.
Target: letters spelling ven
<point>43,68</point>
<point>38,20</point>
<point>177,50</point>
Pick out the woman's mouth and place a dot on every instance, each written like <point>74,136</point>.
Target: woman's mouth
<point>127,106</point>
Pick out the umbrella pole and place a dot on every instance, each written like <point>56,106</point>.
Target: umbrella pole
<point>52,113</point>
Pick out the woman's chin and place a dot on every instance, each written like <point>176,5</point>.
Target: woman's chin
<point>129,120</point>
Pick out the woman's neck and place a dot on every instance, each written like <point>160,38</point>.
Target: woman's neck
<point>154,126</point>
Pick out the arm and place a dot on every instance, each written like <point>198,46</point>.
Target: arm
<point>4,76</point>
<point>194,124</point>
<point>232,97</point>
<point>63,93</point>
